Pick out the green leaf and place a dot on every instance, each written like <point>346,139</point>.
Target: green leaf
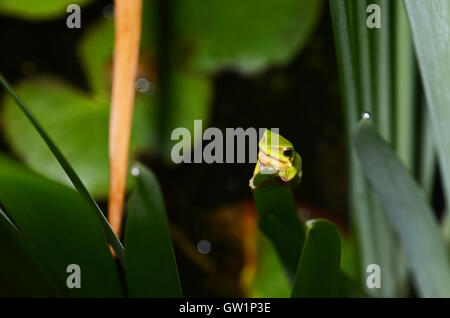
<point>95,51</point>
<point>78,184</point>
<point>190,100</point>
<point>278,220</point>
<point>429,21</point>
<point>244,35</point>
<point>23,273</point>
<point>270,277</point>
<point>406,208</point>
<point>150,266</point>
<point>318,269</point>
<point>359,194</point>
<point>366,68</point>
<point>37,10</point>
<point>62,227</point>
<point>77,123</point>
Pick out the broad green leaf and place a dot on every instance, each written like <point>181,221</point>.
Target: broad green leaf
<point>270,278</point>
<point>74,178</point>
<point>77,123</point>
<point>62,227</point>
<point>150,266</point>
<point>430,25</point>
<point>37,10</point>
<point>23,273</point>
<point>407,210</point>
<point>279,221</point>
<point>244,35</point>
<point>318,269</point>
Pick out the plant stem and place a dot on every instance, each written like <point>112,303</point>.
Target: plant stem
<point>128,19</point>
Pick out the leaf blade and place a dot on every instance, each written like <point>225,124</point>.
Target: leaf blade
<point>62,227</point>
<point>407,211</point>
<point>150,265</point>
<point>78,184</point>
<point>318,272</point>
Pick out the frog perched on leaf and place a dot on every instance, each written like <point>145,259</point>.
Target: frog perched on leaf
<point>278,162</point>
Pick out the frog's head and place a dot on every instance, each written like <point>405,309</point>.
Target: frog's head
<point>276,151</point>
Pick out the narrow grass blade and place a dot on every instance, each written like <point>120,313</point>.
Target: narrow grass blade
<point>427,157</point>
<point>364,59</point>
<point>407,210</point>
<point>403,88</point>
<point>358,194</point>
<point>78,184</point>
<point>150,265</point>
<point>430,25</point>
<point>318,269</point>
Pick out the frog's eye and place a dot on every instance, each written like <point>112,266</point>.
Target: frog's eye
<point>287,153</point>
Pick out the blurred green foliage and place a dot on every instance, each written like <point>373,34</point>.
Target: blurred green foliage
<point>37,10</point>
<point>247,36</point>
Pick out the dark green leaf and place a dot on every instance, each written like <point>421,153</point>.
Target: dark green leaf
<point>150,266</point>
<point>62,227</point>
<point>278,220</point>
<point>23,273</point>
<point>78,184</point>
<point>318,269</point>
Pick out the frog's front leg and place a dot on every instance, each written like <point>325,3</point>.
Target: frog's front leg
<point>255,172</point>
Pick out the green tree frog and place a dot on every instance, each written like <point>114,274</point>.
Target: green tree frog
<point>278,162</point>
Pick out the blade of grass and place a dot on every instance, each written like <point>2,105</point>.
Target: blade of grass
<point>365,63</point>
<point>381,71</point>
<point>376,243</point>
<point>358,195</point>
<point>429,21</point>
<point>427,156</point>
<point>406,208</point>
<point>404,78</point>
<point>76,181</point>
